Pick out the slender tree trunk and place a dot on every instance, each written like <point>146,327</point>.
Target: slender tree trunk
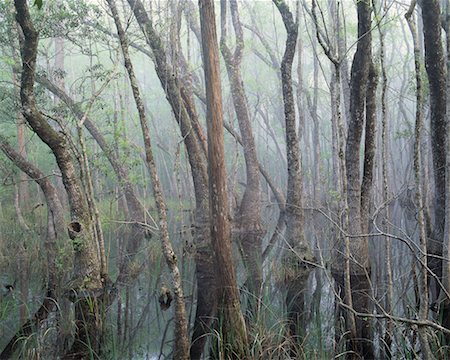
<point>389,286</point>
<point>181,350</point>
<point>422,256</point>
<point>296,260</point>
<point>369,148</point>
<point>357,273</point>
<point>183,108</point>
<point>446,245</point>
<point>249,224</point>
<point>230,320</point>
<point>55,232</point>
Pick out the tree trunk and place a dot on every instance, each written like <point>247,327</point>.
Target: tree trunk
<point>55,232</point>
<point>369,148</point>
<point>297,260</point>
<point>249,225</point>
<point>185,114</point>
<point>357,273</point>
<point>230,320</point>
<point>435,67</point>
<point>446,244</point>
<point>422,256</point>
<point>87,283</point>
<point>137,214</point>
<point>181,350</point>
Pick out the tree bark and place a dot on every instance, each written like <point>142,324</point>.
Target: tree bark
<point>422,256</point>
<point>137,214</point>
<point>231,322</point>
<point>357,273</point>
<point>55,232</point>
<point>181,350</point>
<point>185,115</point>
<point>435,67</point>
<point>249,225</point>
<point>87,284</point>
<point>298,259</point>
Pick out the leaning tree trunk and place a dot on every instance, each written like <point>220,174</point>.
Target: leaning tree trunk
<point>249,225</point>
<point>185,114</point>
<point>55,232</point>
<point>86,285</point>
<point>230,320</point>
<point>181,350</point>
<point>137,215</point>
<point>297,260</point>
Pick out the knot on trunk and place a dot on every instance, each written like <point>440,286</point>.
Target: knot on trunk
<point>165,298</point>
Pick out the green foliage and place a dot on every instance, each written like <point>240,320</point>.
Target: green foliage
<point>78,244</point>
<point>38,4</point>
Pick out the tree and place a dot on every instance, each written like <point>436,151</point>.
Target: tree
<point>435,67</point>
<point>298,257</point>
<point>56,232</point>
<point>181,350</point>
<point>87,283</point>
<point>353,269</point>
<point>230,320</point>
<point>249,224</point>
<point>185,113</point>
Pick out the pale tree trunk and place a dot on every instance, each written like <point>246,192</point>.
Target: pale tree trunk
<point>24,195</point>
<point>312,104</point>
<point>181,350</point>
<point>58,73</point>
<point>137,215</point>
<point>249,224</point>
<point>55,233</point>
<point>183,108</point>
<point>389,301</point>
<point>422,256</point>
<point>230,320</point>
<point>87,283</point>
<point>298,257</point>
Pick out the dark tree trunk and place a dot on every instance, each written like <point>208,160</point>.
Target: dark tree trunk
<point>369,148</point>
<point>435,67</point>
<point>356,274</point>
